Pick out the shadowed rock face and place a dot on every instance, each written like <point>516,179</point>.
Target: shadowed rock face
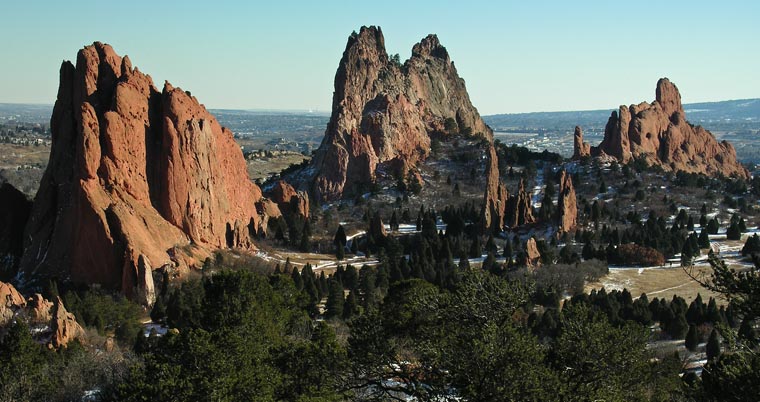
<point>136,176</point>
<point>14,212</point>
<point>383,112</point>
<point>659,132</point>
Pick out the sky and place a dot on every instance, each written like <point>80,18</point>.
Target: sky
<point>515,56</point>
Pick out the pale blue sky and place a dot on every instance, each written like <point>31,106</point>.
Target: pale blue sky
<point>523,56</point>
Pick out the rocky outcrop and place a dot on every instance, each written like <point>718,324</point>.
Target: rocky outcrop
<point>519,208</point>
<point>533,256</point>
<point>39,309</point>
<point>659,132</point>
<point>10,302</point>
<point>496,195</point>
<point>580,148</point>
<point>289,200</point>
<point>64,326</point>
<point>383,112</point>
<point>136,177</point>
<point>567,204</point>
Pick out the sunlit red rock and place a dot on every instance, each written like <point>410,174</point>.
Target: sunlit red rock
<point>659,132</point>
<point>383,113</point>
<point>135,174</point>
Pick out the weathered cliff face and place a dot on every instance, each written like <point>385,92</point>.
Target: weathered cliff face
<point>137,177</point>
<point>580,148</point>
<point>567,204</point>
<point>289,200</point>
<point>383,112</point>
<point>659,132</point>
<point>496,195</point>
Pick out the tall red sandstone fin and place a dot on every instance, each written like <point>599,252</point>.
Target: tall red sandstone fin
<point>567,204</point>
<point>668,97</point>
<point>660,133</point>
<point>519,208</point>
<point>580,148</point>
<point>135,176</point>
<point>383,113</point>
<point>496,196</point>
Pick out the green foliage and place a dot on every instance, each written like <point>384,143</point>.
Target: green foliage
<point>692,338</point>
<point>106,313</point>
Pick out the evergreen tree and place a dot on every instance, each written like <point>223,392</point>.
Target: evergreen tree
<point>692,338</point>
<point>350,307</point>
<point>713,346</point>
<point>704,239</point>
<point>713,226</point>
<point>335,300</point>
<point>747,330</point>
<point>394,224</point>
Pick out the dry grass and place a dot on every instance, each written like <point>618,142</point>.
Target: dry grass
<point>656,282</point>
<point>12,155</point>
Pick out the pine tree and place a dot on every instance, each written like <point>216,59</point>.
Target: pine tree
<point>747,330</point>
<point>350,307</point>
<point>704,239</point>
<point>713,346</point>
<point>692,338</point>
<point>335,300</point>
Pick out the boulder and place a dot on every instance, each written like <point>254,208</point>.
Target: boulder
<point>39,309</point>
<point>289,200</point>
<point>383,113</point>
<point>533,256</point>
<point>10,302</point>
<point>64,326</point>
<point>660,133</point>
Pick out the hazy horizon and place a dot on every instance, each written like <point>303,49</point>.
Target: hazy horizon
<point>515,58</point>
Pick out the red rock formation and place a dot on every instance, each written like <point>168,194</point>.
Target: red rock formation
<point>580,148</point>
<point>496,195</point>
<point>382,112</point>
<point>533,256</point>
<point>10,302</point>
<point>567,204</point>
<point>135,175</point>
<point>519,208</point>
<point>660,133</point>
<point>289,200</point>
<point>39,309</point>
<point>64,326</point>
